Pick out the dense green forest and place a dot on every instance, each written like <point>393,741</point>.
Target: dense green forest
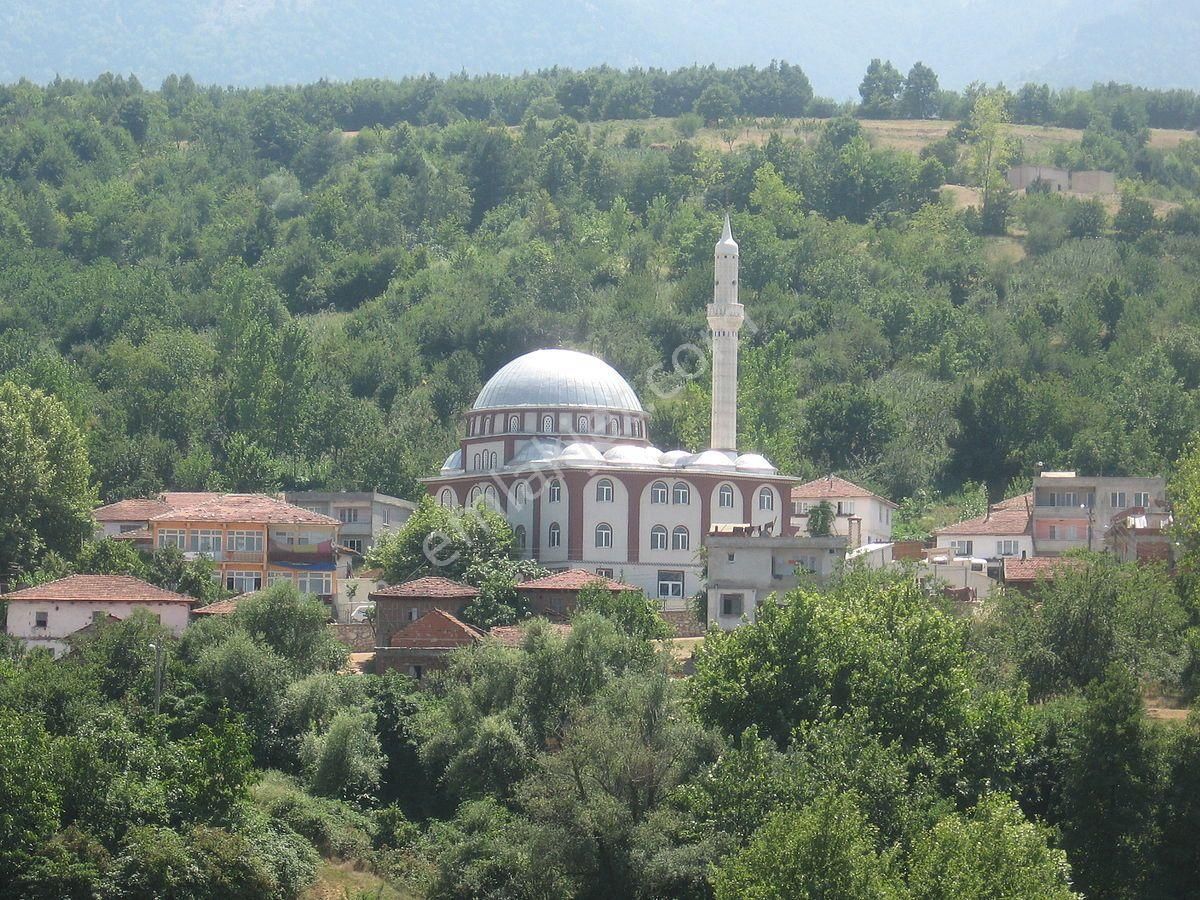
<point>213,288</point>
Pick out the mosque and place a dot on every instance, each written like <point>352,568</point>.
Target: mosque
<point>557,443</point>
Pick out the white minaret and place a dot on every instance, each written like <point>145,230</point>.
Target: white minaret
<point>725,317</point>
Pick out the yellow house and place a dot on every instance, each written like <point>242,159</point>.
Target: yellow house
<point>255,541</point>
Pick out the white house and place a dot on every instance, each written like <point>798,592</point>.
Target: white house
<point>47,614</point>
<point>860,515</point>
<point>1005,530</point>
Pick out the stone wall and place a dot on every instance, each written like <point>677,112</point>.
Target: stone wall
<point>359,638</point>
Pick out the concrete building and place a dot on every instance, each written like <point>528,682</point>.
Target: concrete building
<point>958,577</point>
<point>1138,535</point>
<point>556,442</point>
<point>364,515</point>
<point>1005,530</point>
<point>1022,177</point>
<point>746,566</point>
<point>860,515</point>
<point>47,615</point>
<point>255,540</point>
<point>1073,512</point>
<point>1093,182</point>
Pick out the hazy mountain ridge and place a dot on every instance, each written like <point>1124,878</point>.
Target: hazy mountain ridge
<point>287,41</point>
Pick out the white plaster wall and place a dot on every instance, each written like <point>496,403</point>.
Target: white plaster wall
<point>65,617</point>
<point>615,513</point>
<point>550,513</point>
<point>488,447</point>
<point>732,516</point>
<point>670,515</point>
<point>645,576</point>
<point>521,514</point>
<point>985,545</point>
<point>763,516</point>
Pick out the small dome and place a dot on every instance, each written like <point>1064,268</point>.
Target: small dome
<point>675,458</point>
<point>632,455</point>
<point>558,378</point>
<point>453,462</point>
<point>711,459</point>
<point>752,462</point>
<point>581,452</point>
<point>538,450</point>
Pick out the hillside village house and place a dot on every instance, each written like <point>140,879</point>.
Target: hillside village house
<point>255,540</point>
<point>1074,512</point>
<point>557,443</point>
<point>860,515</point>
<point>364,515</point>
<point>1005,530</point>
<point>46,615</point>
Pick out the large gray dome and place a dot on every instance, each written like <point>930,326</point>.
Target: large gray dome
<point>558,378</point>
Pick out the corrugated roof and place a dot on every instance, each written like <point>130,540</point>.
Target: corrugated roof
<point>429,586</point>
<point>98,587</point>
<point>572,580</point>
<point>834,487</point>
<point>253,508</point>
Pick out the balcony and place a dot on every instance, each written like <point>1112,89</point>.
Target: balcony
<point>303,554</point>
<point>235,556</point>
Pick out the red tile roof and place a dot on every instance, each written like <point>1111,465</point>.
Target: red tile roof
<point>832,487</point>
<point>254,508</point>
<point>437,630</point>
<point>187,499</point>
<point>572,580</point>
<point>141,534</point>
<point>514,635</point>
<point>1012,517</point>
<point>430,586</point>
<point>221,607</point>
<point>1036,567</point>
<point>98,587</point>
<point>135,510</point>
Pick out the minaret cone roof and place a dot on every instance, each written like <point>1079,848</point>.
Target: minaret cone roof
<point>727,240</point>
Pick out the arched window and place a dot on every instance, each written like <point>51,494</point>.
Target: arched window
<point>614,426</point>
<point>476,493</point>
<point>514,423</point>
<point>582,426</point>
<point>658,538</point>
<point>680,539</point>
<point>519,494</point>
<point>547,424</point>
<point>478,461</point>
<point>554,536</point>
<point>495,460</point>
<point>519,534</point>
<point>658,492</point>
<point>603,536</point>
<point>725,497</point>
<point>604,490</point>
<point>555,491</point>
<point>447,497</point>
<point>683,495</point>
<point>766,500</point>
<point>490,498</point>
<point>471,426</point>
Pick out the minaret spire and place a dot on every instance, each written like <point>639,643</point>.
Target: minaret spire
<point>725,318</point>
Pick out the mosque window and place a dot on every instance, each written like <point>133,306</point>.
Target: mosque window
<point>519,534</point>
<point>447,497</point>
<point>766,500</point>
<point>514,423</point>
<point>683,495</point>
<point>604,536</point>
<point>471,426</point>
<point>495,459</point>
<point>658,538</point>
<point>604,490</point>
<point>680,539</point>
<point>478,461</point>
<point>582,426</point>
<point>547,424</point>
<point>725,497</point>
<point>519,494</point>
<point>614,426</point>
<point>476,493</point>
<point>489,497</point>
<point>555,491</point>
<point>658,492</point>
<point>554,538</point>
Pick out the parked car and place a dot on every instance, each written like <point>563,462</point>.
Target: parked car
<point>362,614</point>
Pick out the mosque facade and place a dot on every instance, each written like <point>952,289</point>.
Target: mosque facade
<point>557,442</point>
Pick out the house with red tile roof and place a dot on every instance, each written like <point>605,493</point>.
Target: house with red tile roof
<point>556,595</point>
<point>860,515</point>
<point>422,646</point>
<point>398,605</point>
<point>1025,574</point>
<point>255,540</point>
<point>1005,530</point>
<point>46,615</point>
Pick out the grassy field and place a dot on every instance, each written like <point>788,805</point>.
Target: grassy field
<point>342,881</point>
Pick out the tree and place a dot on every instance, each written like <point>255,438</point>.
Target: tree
<point>989,153</point>
<point>46,496</point>
<point>919,99</point>
<point>820,519</point>
<point>879,89</point>
<point>292,625</point>
<point>1134,218</point>
<point>30,802</point>
<point>991,853</point>
<point>716,104</point>
<point>827,849</point>
<point>345,761</point>
<point>444,541</point>
<point>632,611</point>
<point>846,425</point>
<point>1185,502</point>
